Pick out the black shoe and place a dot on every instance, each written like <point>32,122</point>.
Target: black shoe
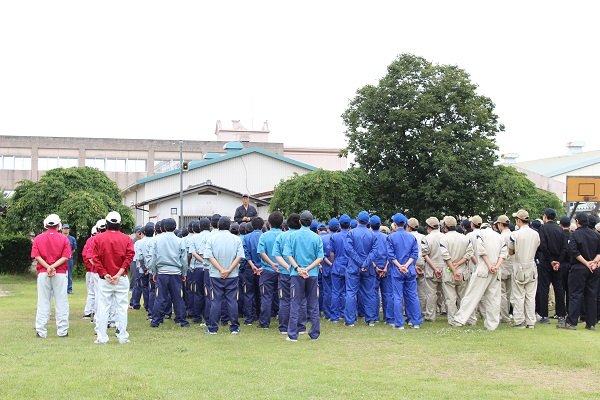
<point>566,326</point>
<point>168,316</point>
<point>590,327</point>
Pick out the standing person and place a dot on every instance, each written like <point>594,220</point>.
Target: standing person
<point>584,249</point>
<point>270,268</point>
<point>245,212</point>
<point>66,229</point>
<point>523,244</point>
<point>383,275</point>
<point>565,267</point>
<point>168,259</point>
<point>327,265</point>
<point>484,285</point>
<point>434,265</point>
<point>338,254</point>
<point>403,251</point>
<point>149,230</point>
<point>224,251</point>
<point>456,250</point>
<point>197,274</point>
<point>251,275</point>
<point>304,251</point>
<point>360,248</point>
<point>412,227</point>
<point>553,252</point>
<point>113,252</point>
<point>51,250</point>
<point>138,289</point>
<point>90,301</point>
<point>502,223</point>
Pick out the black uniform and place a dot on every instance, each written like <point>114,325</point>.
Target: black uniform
<point>241,212</point>
<point>553,247</point>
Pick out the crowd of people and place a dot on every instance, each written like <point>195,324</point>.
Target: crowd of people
<point>296,271</point>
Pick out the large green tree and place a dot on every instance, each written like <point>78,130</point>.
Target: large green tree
<point>513,191</point>
<point>425,137</point>
<point>325,194</point>
<point>79,195</point>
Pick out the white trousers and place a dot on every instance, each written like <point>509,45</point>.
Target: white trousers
<point>90,303</point>
<point>483,290</point>
<point>108,295</point>
<point>48,287</point>
<point>523,289</point>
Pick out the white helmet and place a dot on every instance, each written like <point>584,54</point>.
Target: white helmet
<point>52,220</point>
<point>113,217</point>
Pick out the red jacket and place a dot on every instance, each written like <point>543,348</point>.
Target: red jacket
<point>112,250</point>
<point>84,254</point>
<point>51,245</point>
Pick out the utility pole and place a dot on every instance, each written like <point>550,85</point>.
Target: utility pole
<point>181,185</point>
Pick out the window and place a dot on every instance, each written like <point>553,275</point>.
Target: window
<point>95,163</point>
<point>48,163</point>
<point>136,165</point>
<point>117,164</point>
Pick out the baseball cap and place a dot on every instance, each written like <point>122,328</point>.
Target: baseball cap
<point>476,219</point>
<point>502,219</point>
<point>413,223</point>
<point>94,230</point>
<point>322,227</point>
<point>375,220</point>
<point>399,218</point>
<point>334,223</point>
<point>345,219</point>
<point>449,220</point>
<point>306,215</point>
<point>138,229</point>
<point>432,222</point>
<point>353,223</point>
<point>52,220</point>
<point>101,224</point>
<point>245,195</point>
<point>113,217</point>
<point>66,226</point>
<point>522,215</point>
<point>363,217</point>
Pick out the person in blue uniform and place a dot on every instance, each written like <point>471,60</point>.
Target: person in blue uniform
<point>360,275</point>
<point>384,278</point>
<point>403,252</point>
<point>304,251</point>
<point>270,268</point>
<point>198,264</point>
<point>326,266</point>
<point>73,243</point>
<point>338,270</point>
<point>252,274</point>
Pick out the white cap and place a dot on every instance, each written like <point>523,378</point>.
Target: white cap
<point>52,220</point>
<point>94,230</point>
<point>101,224</point>
<point>113,217</point>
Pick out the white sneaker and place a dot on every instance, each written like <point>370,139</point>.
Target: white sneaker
<point>398,328</point>
<point>123,341</point>
<point>99,342</point>
<point>283,333</point>
<point>416,326</point>
<point>289,339</point>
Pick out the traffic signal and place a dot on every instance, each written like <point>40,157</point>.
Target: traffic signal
<point>185,166</point>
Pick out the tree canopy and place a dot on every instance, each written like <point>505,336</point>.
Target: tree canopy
<point>79,195</point>
<point>326,194</point>
<point>425,138</point>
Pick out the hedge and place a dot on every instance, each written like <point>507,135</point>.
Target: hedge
<point>15,253</point>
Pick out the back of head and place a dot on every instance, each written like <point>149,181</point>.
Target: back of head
<point>306,218</point>
<point>224,223</point>
<point>345,221</point>
<point>375,222</point>
<point>276,219</point>
<point>101,225</point>
<point>234,228</point>
<point>592,221</point>
<point>550,213</point>
<point>158,228</point>
<point>565,222</point>
<point>52,221</point>
<point>113,220</point>
<point>242,229</point>
<point>257,223</point>
<point>190,227</point>
<point>149,229</point>
<point>293,221</point>
<point>214,220</point>
<point>195,226</point>
<point>582,218</point>
<point>204,224</point>
<point>169,225</point>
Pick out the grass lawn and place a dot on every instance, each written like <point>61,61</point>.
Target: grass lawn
<point>435,362</point>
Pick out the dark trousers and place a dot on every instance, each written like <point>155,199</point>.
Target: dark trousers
<point>326,292</point>
<point>70,276</point>
<point>360,286</point>
<point>151,294</point>
<point>338,296</point>
<point>140,290</point>
<point>284,305</point>
<point>583,291</point>
<point>169,290</point>
<point>308,290</point>
<point>547,275</point>
<point>268,285</point>
<point>248,301</point>
<point>207,301</point>
<point>223,290</point>
<point>195,284</point>
<point>384,286</point>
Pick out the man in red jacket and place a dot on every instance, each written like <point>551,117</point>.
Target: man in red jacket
<point>113,252</point>
<point>51,250</point>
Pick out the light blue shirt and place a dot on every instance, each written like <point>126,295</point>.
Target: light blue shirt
<point>168,255</point>
<point>139,246</point>
<point>305,246</point>
<point>224,247</point>
<point>278,248</point>
<point>198,246</point>
<point>265,245</point>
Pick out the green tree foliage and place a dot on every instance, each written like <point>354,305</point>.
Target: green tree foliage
<point>425,138</point>
<point>79,195</point>
<point>325,194</point>
<point>513,191</point>
<point>15,253</point>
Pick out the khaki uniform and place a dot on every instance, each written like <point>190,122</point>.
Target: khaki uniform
<point>430,246</point>
<point>421,285</point>
<point>524,242</point>
<point>505,284</point>
<point>455,247</point>
<point>484,287</point>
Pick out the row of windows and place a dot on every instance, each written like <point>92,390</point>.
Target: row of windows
<point>15,162</point>
<point>117,164</point>
<point>48,163</point>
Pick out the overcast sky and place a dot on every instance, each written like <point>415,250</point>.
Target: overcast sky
<point>170,69</point>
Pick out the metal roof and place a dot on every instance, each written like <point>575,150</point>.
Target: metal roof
<point>554,166</point>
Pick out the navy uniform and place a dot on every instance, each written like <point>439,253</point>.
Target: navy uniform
<point>380,262</point>
<point>269,275</point>
<point>327,265</point>
<point>338,271</point>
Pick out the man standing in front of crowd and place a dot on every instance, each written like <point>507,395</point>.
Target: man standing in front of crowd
<point>51,250</point>
<point>66,229</point>
<point>168,259</point>
<point>113,252</point>
<point>523,244</point>
<point>456,250</point>
<point>304,251</point>
<point>403,251</point>
<point>224,252</point>
<point>553,249</point>
<point>502,224</point>
<point>434,264</point>
<point>245,212</point>
<point>484,285</point>
<point>584,249</point>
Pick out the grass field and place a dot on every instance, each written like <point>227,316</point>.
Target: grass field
<point>436,362</point>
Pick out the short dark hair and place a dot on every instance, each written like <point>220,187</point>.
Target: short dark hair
<point>305,222</point>
<point>214,220</point>
<point>257,223</point>
<point>344,225</point>
<point>276,219</point>
<point>582,218</point>
<point>293,221</point>
<point>112,226</point>
<point>224,223</point>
